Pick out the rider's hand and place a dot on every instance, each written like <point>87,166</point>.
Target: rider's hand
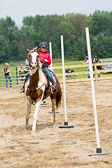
<point>45,60</point>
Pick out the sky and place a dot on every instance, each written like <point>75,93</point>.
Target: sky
<point>18,9</point>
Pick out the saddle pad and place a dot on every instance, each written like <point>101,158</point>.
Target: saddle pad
<point>53,75</point>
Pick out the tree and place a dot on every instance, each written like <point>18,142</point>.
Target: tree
<point>4,49</point>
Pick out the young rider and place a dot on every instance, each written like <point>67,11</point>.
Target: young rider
<point>45,58</point>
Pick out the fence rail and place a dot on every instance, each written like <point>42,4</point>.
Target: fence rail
<point>70,77</point>
<point>14,75</point>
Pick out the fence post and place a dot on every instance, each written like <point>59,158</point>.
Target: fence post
<point>95,72</point>
<point>17,75</point>
<point>50,48</point>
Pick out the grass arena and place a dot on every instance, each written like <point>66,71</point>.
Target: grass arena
<point>50,146</point>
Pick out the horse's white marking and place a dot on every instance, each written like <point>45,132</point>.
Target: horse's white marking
<point>28,109</point>
<point>34,63</point>
<point>26,85</point>
<point>35,116</point>
<point>34,56</point>
<point>42,79</point>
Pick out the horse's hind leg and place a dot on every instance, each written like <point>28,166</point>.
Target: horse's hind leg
<point>53,109</point>
<point>28,110</point>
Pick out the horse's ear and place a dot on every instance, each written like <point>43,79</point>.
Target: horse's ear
<point>28,50</point>
<point>38,50</point>
<point>35,49</point>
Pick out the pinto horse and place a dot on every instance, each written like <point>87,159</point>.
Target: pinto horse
<point>38,88</point>
<point>95,59</point>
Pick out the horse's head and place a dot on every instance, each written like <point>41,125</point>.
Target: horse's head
<point>33,58</point>
<point>95,59</point>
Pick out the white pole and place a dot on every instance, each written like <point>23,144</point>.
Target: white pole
<point>92,87</point>
<point>64,86</point>
<point>50,48</point>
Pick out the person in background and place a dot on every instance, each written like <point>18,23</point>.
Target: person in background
<point>21,71</point>
<point>7,75</point>
<point>27,65</point>
<point>87,62</point>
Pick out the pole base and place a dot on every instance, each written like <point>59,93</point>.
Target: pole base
<point>66,125</point>
<point>99,152</point>
<point>53,112</point>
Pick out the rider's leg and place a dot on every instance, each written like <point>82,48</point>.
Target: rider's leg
<point>27,76</point>
<point>50,77</point>
<point>48,74</point>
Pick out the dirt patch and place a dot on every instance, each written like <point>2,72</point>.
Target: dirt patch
<point>50,146</point>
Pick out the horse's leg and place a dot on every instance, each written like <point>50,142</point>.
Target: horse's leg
<point>28,110</point>
<point>53,109</point>
<point>35,116</point>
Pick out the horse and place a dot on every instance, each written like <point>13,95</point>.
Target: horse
<point>95,60</point>
<point>37,88</point>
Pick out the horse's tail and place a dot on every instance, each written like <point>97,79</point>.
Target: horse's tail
<point>58,94</point>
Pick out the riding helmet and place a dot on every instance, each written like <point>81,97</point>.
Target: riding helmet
<point>43,45</point>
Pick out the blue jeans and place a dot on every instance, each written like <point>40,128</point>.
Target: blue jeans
<point>87,68</point>
<point>8,78</point>
<point>27,76</point>
<point>48,73</point>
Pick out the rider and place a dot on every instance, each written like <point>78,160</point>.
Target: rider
<point>45,58</point>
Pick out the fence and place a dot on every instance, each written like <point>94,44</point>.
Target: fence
<point>103,73</point>
<point>71,77</point>
<point>14,75</point>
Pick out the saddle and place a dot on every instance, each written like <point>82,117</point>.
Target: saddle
<point>48,86</point>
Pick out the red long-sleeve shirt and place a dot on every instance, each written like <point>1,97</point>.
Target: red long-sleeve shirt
<point>43,56</point>
<point>6,71</point>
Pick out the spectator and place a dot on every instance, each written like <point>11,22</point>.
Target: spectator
<point>27,65</point>
<point>7,75</point>
<point>87,62</point>
<point>21,71</point>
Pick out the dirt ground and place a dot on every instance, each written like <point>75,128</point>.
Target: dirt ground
<point>51,146</point>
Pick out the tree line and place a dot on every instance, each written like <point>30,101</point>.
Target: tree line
<point>14,41</point>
